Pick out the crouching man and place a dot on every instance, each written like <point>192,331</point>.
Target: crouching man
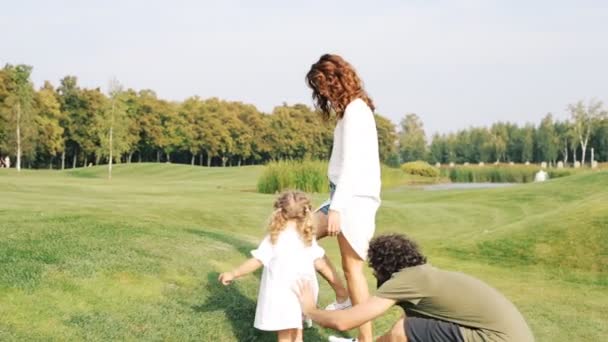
<point>440,306</point>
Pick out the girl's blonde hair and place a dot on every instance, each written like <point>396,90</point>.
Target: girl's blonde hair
<point>296,206</point>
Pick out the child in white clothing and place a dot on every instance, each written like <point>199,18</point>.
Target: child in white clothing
<point>288,253</point>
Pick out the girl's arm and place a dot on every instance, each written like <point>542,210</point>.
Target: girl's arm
<point>249,266</point>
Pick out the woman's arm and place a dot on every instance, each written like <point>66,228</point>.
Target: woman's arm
<point>249,266</point>
<point>353,128</point>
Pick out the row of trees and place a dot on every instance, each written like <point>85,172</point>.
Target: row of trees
<point>74,126</point>
<point>550,141</point>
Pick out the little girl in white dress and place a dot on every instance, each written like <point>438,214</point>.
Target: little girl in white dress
<point>288,253</point>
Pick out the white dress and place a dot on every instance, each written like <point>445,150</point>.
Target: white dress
<point>285,262</point>
<point>354,167</point>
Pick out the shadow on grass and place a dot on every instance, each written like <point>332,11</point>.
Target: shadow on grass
<point>239,309</point>
<point>241,246</point>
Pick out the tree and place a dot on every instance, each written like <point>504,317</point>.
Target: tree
<point>132,132</point>
<point>387,139</point>
<point>499,136</point>
<point>527,152</point>
<point>599,139</point>
<point>439,150</point>
<point>48,121</point>
<point>480,149</point>
<point>113,125</point>
<point>18,110</point>
<point>583,118</point>
<point>72,108</point>
<point>192,129</point>
<point>412,139</point>
<point>90,124</point>
<point>563,133</point>
<point>547,140</point>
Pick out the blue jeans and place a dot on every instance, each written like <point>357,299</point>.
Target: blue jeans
<point>325,207</point>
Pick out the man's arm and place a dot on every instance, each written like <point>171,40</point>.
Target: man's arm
<point>343,319</point>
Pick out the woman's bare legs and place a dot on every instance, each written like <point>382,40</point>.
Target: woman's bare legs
<point>353,265</point>
<point>284,335</point>
<point>325,268</point>
<point>297,335</point>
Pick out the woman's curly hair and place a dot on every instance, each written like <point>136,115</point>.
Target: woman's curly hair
<point>292,206</point>
<point>391,253</point>
<point>334,85</point>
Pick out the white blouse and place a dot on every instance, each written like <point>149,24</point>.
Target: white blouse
<point>354,166</point>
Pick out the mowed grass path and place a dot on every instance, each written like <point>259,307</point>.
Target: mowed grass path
<point>83,258</point>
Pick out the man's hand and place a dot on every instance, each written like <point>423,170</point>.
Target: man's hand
<point>333,223</point>
<point>306,296</point>
<point>226,278</point>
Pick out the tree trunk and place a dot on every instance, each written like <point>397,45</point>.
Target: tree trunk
<point>574,155</point>
<point>111,138</point>
<point>224,160</point>
<point>200,159</point>
<point>18,137</point>
<point>110,159</point>
<point>74,160</point>
<point>168,157</point>
<point>97,159</point>
<point>130,157</point>
<point>63,160</point>
<point>51,162</point>
<point>208,160</point>
<point>139,156</point>
<point>192,160</point>
<point>566,154</point>
<point>86,160</point>
<point>584,150</point>
<point>158,156</point>
<point>240,161</point>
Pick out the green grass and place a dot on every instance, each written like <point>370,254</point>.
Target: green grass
<point>137,258</point>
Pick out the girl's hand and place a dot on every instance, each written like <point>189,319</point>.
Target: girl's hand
<point>226,278</point>
<point>333,223</point>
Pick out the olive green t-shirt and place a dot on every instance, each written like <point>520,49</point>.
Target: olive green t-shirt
<point>482,312</point>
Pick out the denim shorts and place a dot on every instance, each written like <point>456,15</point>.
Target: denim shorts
<point>324,208</point>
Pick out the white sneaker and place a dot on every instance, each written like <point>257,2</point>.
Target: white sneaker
<point>335,306</point>
<point>341,339</point>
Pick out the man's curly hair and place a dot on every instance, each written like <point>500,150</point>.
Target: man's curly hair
<point>391,253</point>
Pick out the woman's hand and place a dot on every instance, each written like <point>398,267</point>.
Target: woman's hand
<point>226,278</point>
<point>333,223</point>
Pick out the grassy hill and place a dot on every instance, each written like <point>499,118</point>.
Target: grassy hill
<point>137,257</point>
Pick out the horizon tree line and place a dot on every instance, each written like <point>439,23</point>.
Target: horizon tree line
<point>71,126</point>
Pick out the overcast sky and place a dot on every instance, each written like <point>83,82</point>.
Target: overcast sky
<point>454,63</point>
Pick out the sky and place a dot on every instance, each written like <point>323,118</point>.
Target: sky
<point>455,63</point>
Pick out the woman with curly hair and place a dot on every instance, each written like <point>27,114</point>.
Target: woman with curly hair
<point>439,305</point>
<point>354,173</point>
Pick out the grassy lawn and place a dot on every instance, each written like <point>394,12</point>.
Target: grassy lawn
<point>137,258</point>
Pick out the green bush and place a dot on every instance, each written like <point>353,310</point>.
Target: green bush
<point>309,176</point>
<point>420,168</point>
<point>499,173</point>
